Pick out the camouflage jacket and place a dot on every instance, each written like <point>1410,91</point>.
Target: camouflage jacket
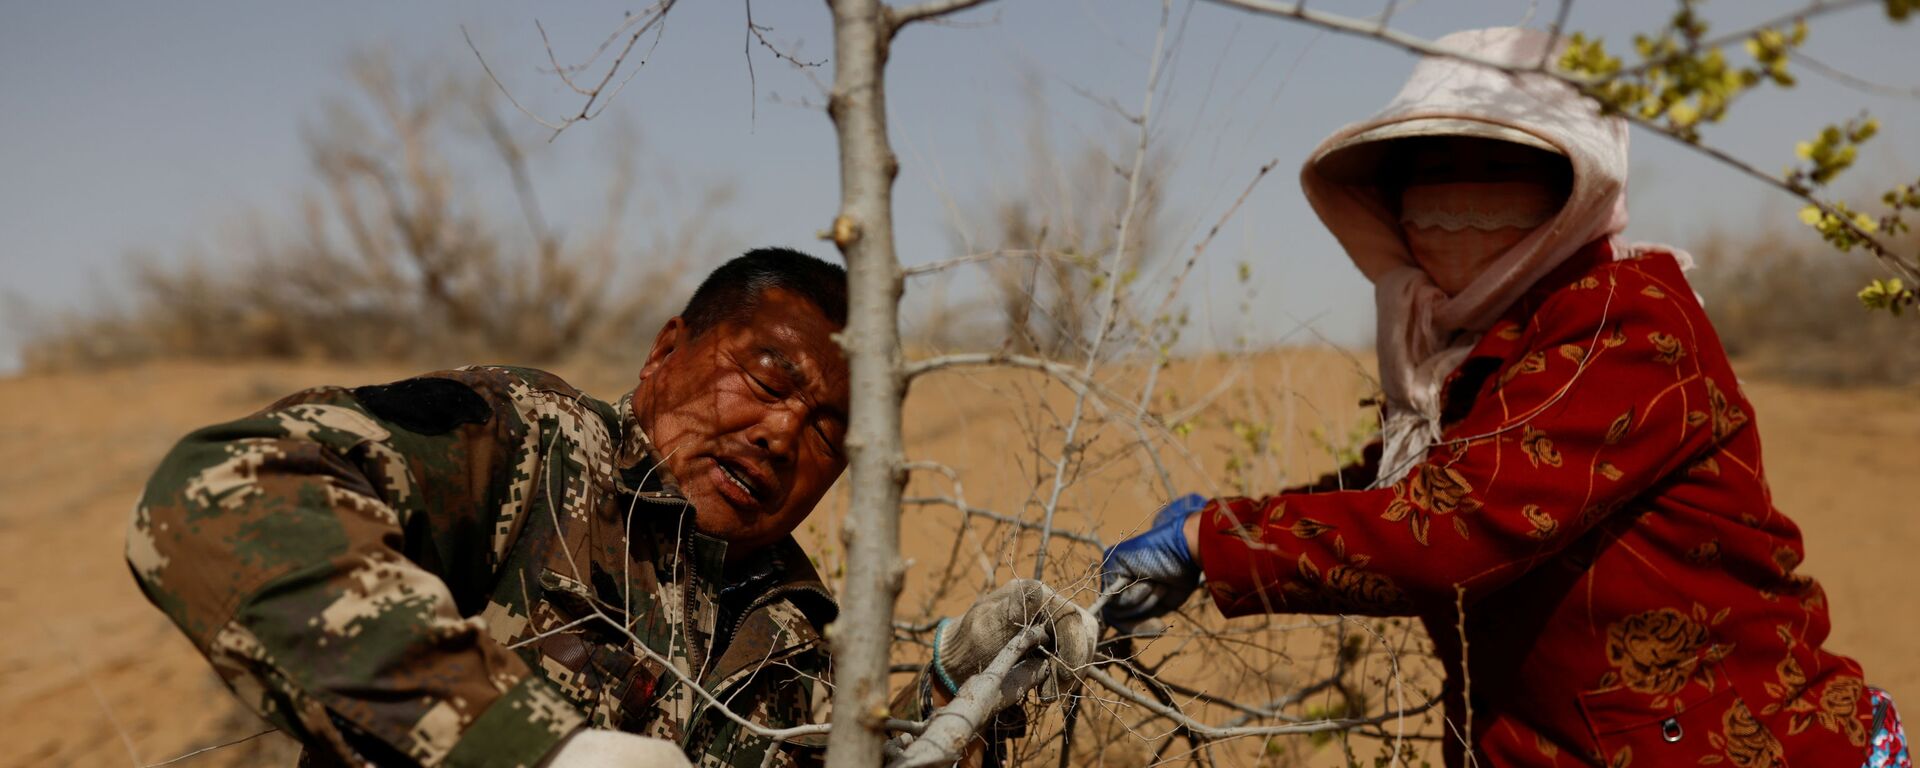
<point>438,571</point>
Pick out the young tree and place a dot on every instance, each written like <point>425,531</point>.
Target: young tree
<point>1682,79</point>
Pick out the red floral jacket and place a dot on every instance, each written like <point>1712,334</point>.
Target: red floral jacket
<point>1630,592</point>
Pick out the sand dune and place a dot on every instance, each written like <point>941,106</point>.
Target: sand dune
<point>92,675</point>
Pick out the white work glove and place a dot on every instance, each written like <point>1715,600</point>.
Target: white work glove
<point>965,647</point>
<point>613,749</point>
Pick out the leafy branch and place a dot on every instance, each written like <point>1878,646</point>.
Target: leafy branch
<point>1684,81</point>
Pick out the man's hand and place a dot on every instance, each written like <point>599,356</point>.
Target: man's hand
<point>613,749</point>
<point>966,646</point>
<point>1153,573</point>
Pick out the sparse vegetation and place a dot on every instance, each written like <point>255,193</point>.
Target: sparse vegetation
<point>1783,307</point>
<point>395,253</point>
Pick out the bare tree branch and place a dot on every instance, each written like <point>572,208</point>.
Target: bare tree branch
<point>1068,448</point>
<point>565,73</point>
<point>636,645</point>
<point>921,501</point>
<point>654,17</point>
<point>1853,81</point>
<point>1201,247</point>
<point>1298,11</point>
<point>759,32</point>
<point>552,126</point>
<point>1554,31</point>
<point>651,19</point>
<point>981,697</point>
<point>1229,732</point>
<point>976,258</point>
<point>1074,378</point>
<point>932,9</point>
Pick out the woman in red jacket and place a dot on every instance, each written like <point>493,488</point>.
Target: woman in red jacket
<point>1565,453</point>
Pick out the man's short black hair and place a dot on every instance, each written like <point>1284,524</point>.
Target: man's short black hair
<point>733,291</point>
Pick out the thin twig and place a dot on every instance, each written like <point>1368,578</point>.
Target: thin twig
<point>1386,16</point>
<point>555,127</point>
<point>1068,448</point>
<point>758,32</point>
<point>922,501</point>
<point>635,644</point>
<point>1201,247</point>
<point>203,750</point>
<point>126,741</point>
<point>1228,732</point>
<point>652,18</point>
<point>1075,380</point>
<point>1558,28</point>
<point>983,256</point>
<point>1854,81</point>
<point>565,73</point>
<point>1466,674</point>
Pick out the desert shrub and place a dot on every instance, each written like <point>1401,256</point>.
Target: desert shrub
<point>396,254</point>
<point>1042,245</point>
<point>1785,307</point>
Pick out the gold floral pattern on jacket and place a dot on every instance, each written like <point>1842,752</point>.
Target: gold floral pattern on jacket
<point>1656,651</point>
<point>1745,741</point>
<point>1431,490</point>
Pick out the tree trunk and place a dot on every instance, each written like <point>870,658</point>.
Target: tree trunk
<point>862,637</point>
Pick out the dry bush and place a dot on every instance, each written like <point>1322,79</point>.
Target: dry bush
<point>1257,423</point>
<point>396,255</point>
<point>1042,241</point>
<point>1074,281</point>
<point>1784,305</point>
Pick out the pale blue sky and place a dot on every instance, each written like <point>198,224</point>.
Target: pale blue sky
<point>150,126</point>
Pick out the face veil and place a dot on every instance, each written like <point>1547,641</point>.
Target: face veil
<point>1456,229</point>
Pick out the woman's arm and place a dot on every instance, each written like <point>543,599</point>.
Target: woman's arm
<point>1602,398</point>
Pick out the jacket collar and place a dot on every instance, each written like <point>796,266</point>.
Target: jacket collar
<point>1502,340</point>
<point>637,469</point>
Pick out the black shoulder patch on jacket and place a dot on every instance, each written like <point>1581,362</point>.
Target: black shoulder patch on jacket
<point>428,405</point>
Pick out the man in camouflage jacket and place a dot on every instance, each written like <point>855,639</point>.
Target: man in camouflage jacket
<point>471,567</point>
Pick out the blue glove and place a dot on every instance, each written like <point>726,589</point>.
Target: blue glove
<point>1153,573</point>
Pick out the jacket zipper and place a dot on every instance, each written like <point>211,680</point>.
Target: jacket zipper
<point>688,591</point>
<point>767,598</point>
<point>683,550</point>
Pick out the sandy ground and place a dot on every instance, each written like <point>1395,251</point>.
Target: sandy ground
<point>91,675</point>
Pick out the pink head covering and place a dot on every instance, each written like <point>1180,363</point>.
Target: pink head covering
<point>1424,334</point>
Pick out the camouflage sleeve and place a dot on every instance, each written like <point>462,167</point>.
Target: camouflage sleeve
<point>278,544</point>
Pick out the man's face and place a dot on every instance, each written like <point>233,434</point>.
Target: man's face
<point>750,417</point>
